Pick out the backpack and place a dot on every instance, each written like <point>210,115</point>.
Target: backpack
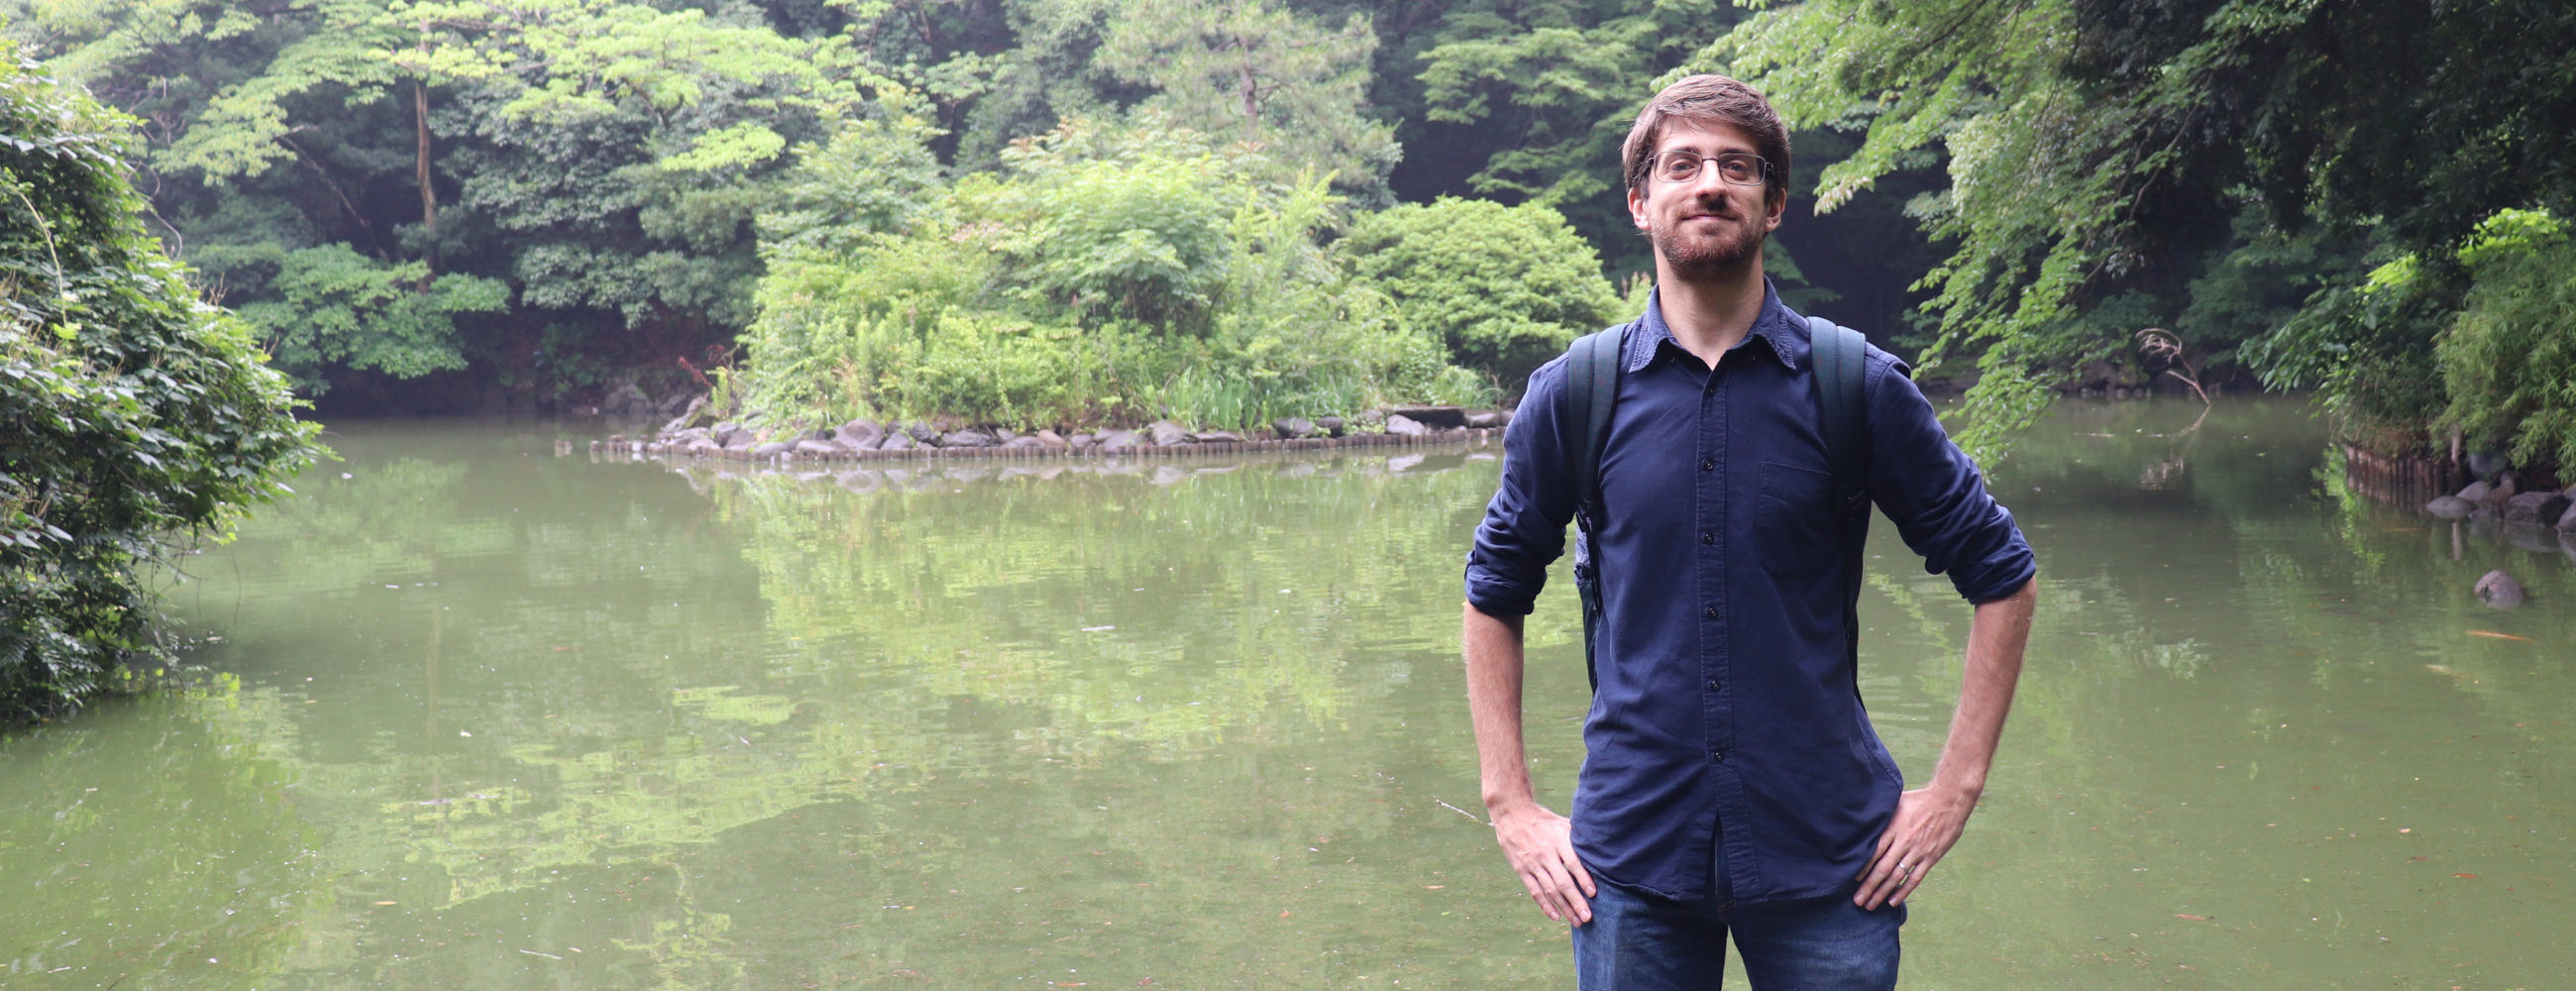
<point>1839,357</point>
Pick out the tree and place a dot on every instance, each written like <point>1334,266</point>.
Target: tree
<point>132,416</point>
<point>1506,288</point>
<point>2101,151</point>
<point>1267,77</point>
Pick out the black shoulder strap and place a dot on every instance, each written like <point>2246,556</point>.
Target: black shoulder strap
<point>1841,356</point>
<point>1591,395</point>
<point>1592,392</point>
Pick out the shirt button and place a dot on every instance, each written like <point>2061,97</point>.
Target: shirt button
<point>1708,464</point>
<point>1710,612</point>
<point>1708,536</point>
<point>1712,684</point>
<point>1717,756</point>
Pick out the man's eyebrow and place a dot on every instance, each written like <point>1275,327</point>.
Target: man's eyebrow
<point>1722,145</point>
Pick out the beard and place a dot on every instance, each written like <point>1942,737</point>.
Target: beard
<point>1708,253</point>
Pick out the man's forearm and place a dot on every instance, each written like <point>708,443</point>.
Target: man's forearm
<point>1996,639</point>
<point>1492,645</point>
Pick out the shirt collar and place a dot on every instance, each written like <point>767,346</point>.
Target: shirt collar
<point>1777,326</point>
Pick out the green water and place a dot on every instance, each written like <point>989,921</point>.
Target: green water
<point>482,717</point>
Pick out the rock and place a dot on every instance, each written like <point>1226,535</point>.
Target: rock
<point>725,428</point>
<point>922,433</point>
<point>2505,488</point>
<point>1215,437</point>
<point>1330,424</point>
<point>2531,537</point>
<point>770,450</point>
<point>2567,520</point>
<point>2544,508</point>
<point>1372,417</point>
<point>861,430</point>
<point>739,440</point>
<point>1121,438</point>
<point>2475,491</point>
<point>1292,427</point>
<point>1402,424</point>
<point>704,448</point>
<point>1024,440</point>
<point>678,425</point>
<point>2499,591</point>
<point>2450,507</point>
<point>1005,434</point>
<point>1050,438</point>
<point>1490,419</point>
<point>819,448</point>
<point>1435,417</point>
<point>1167,433</point>
<point>898,442</point>
<point>1085,439</point>
<point>691,434</point>
<point>969,438</point>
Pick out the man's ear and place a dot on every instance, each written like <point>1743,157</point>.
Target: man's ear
<point>1774,206</point>
<point>1637,210</point>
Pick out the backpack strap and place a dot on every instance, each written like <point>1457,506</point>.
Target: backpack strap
<point>1591,395</point>
<point>1841,359</point>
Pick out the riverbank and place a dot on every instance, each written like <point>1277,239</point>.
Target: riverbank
<point>1466,436</point>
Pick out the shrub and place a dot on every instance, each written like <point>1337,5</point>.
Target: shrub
<point>1505,288</point>
<point>1109,275</point>
<point>2509,357</point>
<point>131,413</point>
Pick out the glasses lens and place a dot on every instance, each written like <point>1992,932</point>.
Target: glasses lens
<point>1678,167</point>
<point>1742,170</point>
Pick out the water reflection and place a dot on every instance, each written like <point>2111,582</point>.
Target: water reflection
<point>488,718</point>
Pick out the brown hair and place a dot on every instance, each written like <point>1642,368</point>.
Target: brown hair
<point>1709,100</point>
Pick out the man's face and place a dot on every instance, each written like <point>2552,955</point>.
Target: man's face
<point>1706,225</point>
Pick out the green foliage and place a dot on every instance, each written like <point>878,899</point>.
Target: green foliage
<point>132,415</point>
<point>2509,359</point>
<point>1113,274</point>
<point>1236,70</point>
<point>1543,92</point>
<point>2093,150</point>
<point>338,307</point>
<point>1506,288</point>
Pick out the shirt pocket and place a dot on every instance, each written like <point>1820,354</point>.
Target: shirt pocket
<point>1793,522</point>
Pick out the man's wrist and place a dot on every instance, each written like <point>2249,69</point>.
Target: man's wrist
<point>1965,790</point>
<point>1499,808</point>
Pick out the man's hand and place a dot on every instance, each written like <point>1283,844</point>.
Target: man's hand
<point>1928,821</point>
<point>1540,845</point>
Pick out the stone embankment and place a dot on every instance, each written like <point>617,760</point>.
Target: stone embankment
<point>868,440</point>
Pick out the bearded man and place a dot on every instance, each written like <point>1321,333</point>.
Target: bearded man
<point>1732,782</point>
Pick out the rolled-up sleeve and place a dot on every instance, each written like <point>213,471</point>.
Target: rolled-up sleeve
<point>1524,527</point>
<point>1934,494</point>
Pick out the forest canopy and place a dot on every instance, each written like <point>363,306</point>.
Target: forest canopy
<point>580,194</point>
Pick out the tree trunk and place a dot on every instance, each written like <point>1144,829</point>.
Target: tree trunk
<point>428,190</point>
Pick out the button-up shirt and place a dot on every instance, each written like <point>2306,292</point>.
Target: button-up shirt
<point>1728,753</point>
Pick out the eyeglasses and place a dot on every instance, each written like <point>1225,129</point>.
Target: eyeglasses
<point>1738,168</point>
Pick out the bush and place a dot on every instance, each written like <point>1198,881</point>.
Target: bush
<point>2509,357</point>
<point>1108,276</point>
<point>131,413</point>
<point>1505,288</point>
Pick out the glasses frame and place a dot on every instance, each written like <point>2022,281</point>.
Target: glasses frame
<point>1760,179</point>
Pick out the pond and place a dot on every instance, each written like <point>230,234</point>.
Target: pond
<point>472,715</point>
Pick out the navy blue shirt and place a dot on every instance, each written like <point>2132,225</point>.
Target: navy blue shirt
<point>1726,696</point>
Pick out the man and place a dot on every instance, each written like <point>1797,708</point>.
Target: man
<point>1732,781</point>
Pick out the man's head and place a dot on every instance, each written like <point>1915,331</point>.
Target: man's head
<point>1708,173</point>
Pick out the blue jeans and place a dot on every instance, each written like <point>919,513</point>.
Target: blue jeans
<point>1642,942</point>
